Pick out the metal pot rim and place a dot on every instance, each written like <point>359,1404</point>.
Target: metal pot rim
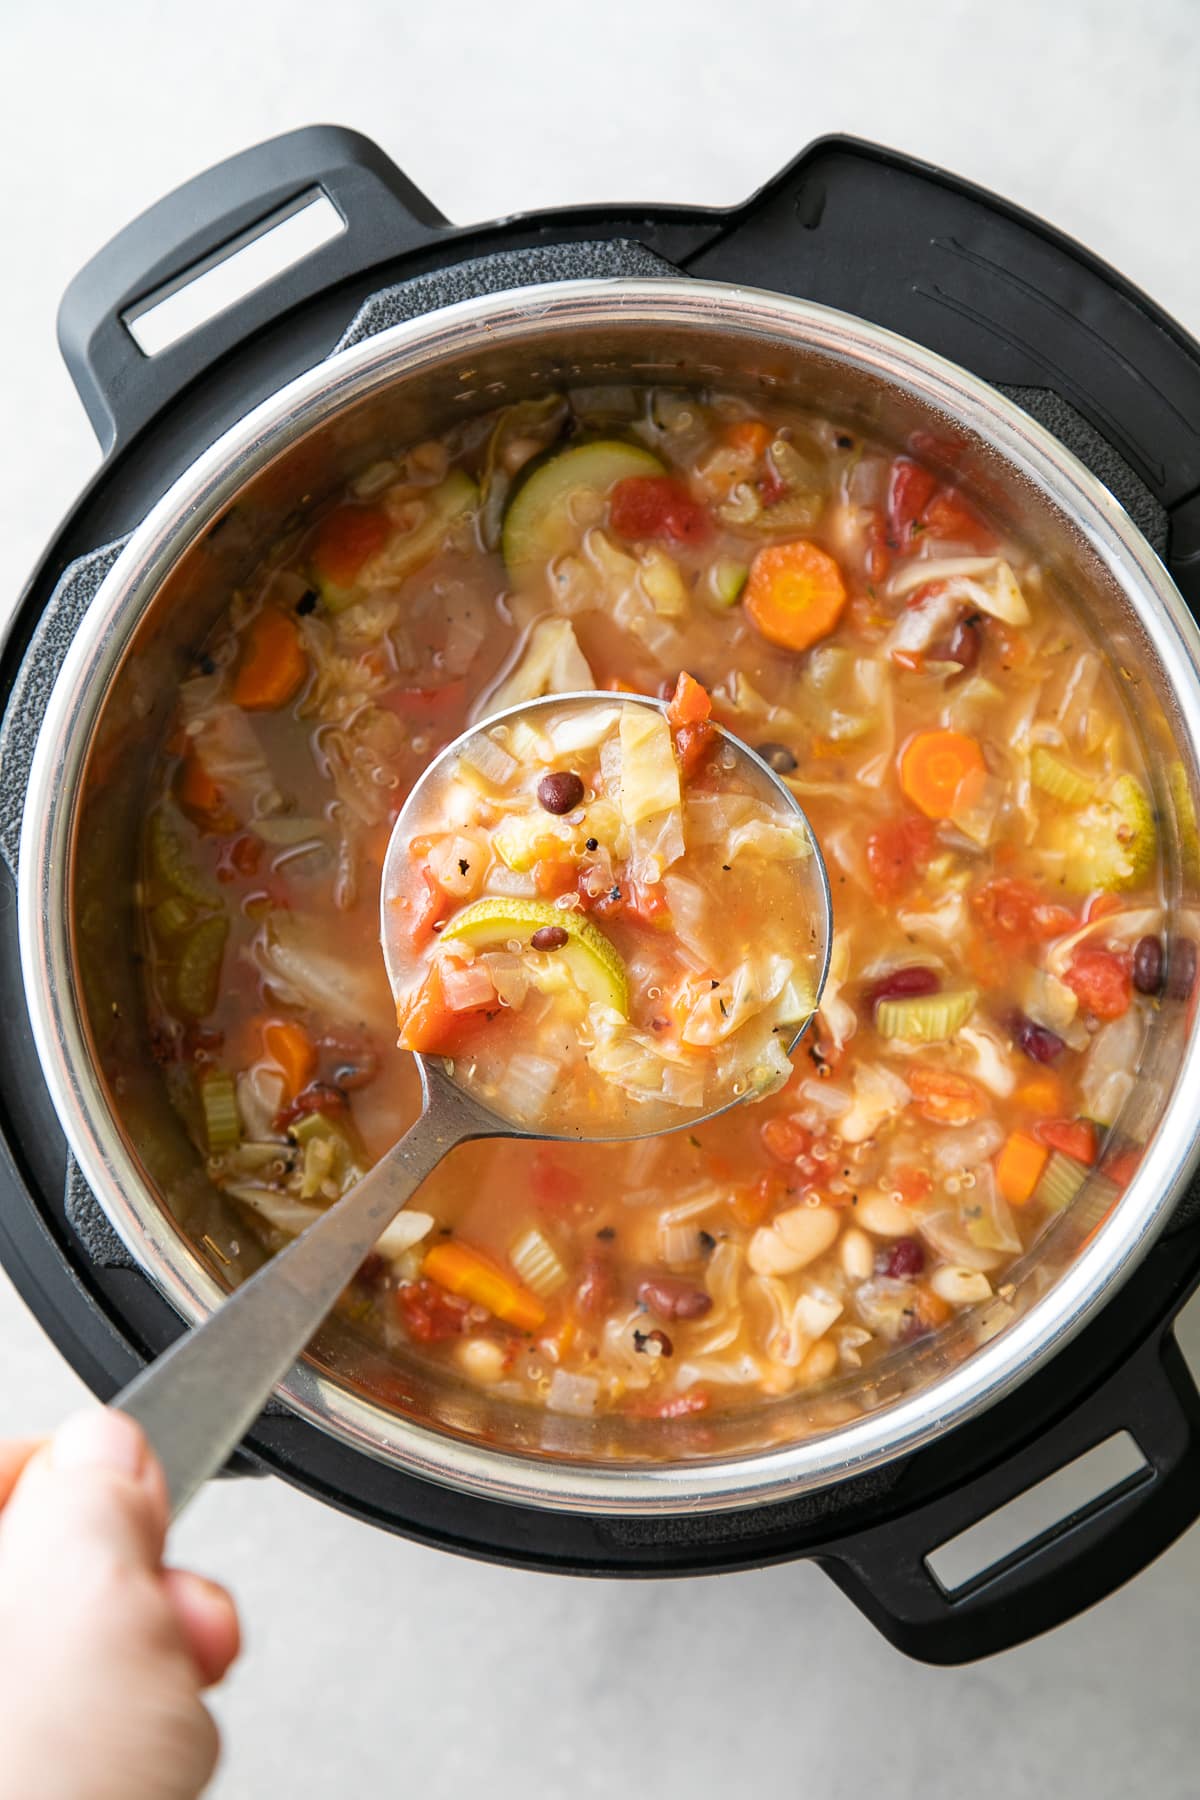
<point>189,506</point>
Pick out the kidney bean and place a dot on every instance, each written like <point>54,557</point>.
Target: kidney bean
<point>963,646</point>
<point>560,792</point>
<point>1037,1041</point>
<point>548,937</point>
<point>777,757</point>
<point>1181,969</point>
<point>668,1297</point>
<point>904,1257</point>
<point>904,984</point>
<point>1148,965</point>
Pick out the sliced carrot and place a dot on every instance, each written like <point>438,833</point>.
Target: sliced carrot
<point>427,1023</point>
<point>932,1310</point>
<point>273,664</point>
<point>345,540</point>
<point>945,1098</point>
<point>292,1051</point>
<point>1042,1094</point>
<point>1019,1167</point>
<point>199,795</point>
<point>935,766</point>
<point>690,703</point>
<point>469,1273</point>
<point>748,434</point>
<point>794,594</point>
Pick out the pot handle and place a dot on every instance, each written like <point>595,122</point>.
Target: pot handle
<point>194,228</point>
<point>1068,1567</point>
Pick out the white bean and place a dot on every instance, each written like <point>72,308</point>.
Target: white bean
<point>793,1240</point>
<point>857,1254</point>
<point>960,1286</point>
<point>480,1358</point>
<point>820,1362</point>
<point>884,1216</point>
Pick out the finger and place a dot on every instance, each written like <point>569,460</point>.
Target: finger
<point>14,1454</point>
<point>208,1619</point>
<point>92,1488</point>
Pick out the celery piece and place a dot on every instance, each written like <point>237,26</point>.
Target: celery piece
<point>170,862</point>
<point>925,1018</point>
<point>1109,843</point>
<point>725,581</point>
<point>222,1121</point>
<point>1060,1181</point>
<point>198,976</point>
<point>1059,779</point>
<point>537,1263</point>
<point>171,917</point>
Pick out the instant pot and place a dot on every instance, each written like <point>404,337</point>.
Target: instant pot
<point>892,296</point>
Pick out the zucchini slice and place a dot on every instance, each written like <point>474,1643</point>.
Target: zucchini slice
<point>539,526</point>
<point>595,966</point>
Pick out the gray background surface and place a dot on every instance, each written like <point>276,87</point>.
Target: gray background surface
<point>373,1666</point>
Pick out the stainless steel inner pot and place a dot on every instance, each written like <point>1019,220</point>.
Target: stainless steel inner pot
<point>86,798</point>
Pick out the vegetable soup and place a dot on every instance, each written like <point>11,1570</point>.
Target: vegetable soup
<point>959,745</point>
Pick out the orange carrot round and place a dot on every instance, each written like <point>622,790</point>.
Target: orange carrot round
<point>794,594</point>
<point>934,766</point>
<point>292,1051</point>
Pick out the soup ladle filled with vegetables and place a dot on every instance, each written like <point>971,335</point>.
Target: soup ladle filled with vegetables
<point>670,955</point>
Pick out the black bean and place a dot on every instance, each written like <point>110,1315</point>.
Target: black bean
<point>548,937</point>
<point>1181,969</point>
<point>669,1297</point>
<point>1037,1041</point>
<point>560,792</point>
<point>1148,965</point>
<point>662,1343</point>
<point>777,757</point>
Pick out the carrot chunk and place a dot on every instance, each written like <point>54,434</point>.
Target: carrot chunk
<point>794,594</point>
<point>935,765</point>
<point>273,664</point>
<point>1019,1167</point>
<point>292,1051</point>
<point>463,1270</point>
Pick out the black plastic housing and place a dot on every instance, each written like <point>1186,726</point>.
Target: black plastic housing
<point>851,226</point>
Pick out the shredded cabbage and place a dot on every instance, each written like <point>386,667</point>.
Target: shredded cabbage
<point>548,662</point>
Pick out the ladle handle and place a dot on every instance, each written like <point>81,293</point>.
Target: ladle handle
<point>197,1401</point>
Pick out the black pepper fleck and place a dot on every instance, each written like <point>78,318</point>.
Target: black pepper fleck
<point>592,844</point>
<point>463,865</point>
<point>307,602</point>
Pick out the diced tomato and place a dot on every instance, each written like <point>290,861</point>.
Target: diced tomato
<point>1016,915</point>
<point>672,1406</point>
<point>429,1024</point>
<point>427,911</point>
<point>910,489</point>
<point>1074,1137</point>
<point>200,796</point>
<point>1121,1164</point>
<point>345,539</point>
<point>646,903</point>
<point>691,702</point>
<point>1102,980</point>
<point>429,1314</point>
<point>751,1205</point>
<point>896,852</point>
<point>555,1188</point>
<point>786,1138</point>
<point>658,506</point>
<point>693,745</point>
<point>945,1098</point>
<point>948,516</point>
<point>1100,905</point>
<point>914,1185</point>
<point>771,486</point>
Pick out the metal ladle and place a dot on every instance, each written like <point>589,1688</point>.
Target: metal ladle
<point>196,1402</point>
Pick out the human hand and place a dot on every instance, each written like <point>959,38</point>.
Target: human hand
<point>104,1653</point>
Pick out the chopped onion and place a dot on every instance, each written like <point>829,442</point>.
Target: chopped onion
<point>878,1095</point>
<point>466,985</point>
<point>966,1146</point>
<point>405,1230</point>
<point>529,1082</point>
<point>577,1394</point>
<point>1107,1078</point>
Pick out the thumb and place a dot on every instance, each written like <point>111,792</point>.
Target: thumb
<point>95,1487</point>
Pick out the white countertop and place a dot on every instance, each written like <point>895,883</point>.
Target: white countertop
<point>374,1666</point>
